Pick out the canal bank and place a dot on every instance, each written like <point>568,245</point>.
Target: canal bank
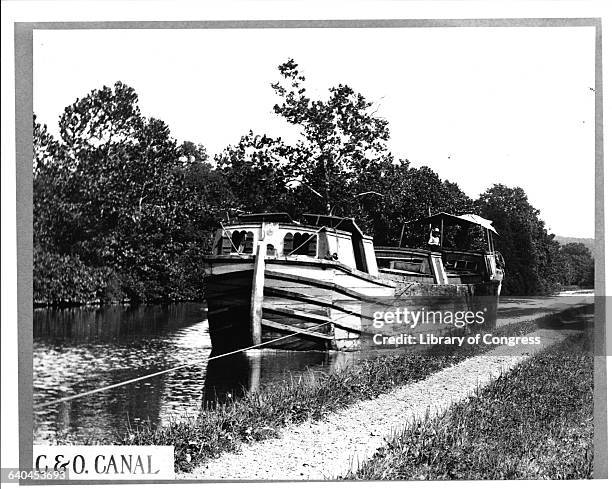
<point>535,422</point>
<point>337,445</point>
<point>79,349</point>
<point>267,412</point>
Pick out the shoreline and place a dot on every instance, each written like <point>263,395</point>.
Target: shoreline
<point>263,414</point>
<point>127,302</point>
<point>115,303</point>
<point>331,448</point>
<point>498,432</point>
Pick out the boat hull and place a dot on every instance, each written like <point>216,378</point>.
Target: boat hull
<point>306,304</point>
<point>310,304</point>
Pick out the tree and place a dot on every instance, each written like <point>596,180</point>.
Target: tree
<point>578,265</point>
<point>52,217</point>
<point>531,254</point>
<point>339,164</point>
<point>258,172</point>
<point>342,144</point>
<point>119,202</point>
<point>411,193</point>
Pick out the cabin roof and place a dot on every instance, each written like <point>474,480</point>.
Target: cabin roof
<point>347,224</point>
<point>266,217</point>
<point>463,219</point>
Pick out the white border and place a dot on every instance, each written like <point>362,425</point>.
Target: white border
<point>49,10</point>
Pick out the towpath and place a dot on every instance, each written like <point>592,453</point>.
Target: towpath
<point>517,309</point>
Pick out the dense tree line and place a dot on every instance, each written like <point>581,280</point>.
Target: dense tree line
<point>535,262</point>
<point>123,211</point>
<point>577,265</point>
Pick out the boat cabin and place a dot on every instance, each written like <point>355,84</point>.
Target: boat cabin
<point>317,237</point>
<point>439,263</point>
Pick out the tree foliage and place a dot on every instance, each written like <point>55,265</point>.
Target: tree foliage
<point>411,193</point>
<point>122,211</point>
<point>118,193</point>
<point>257,172</point>
<point>531,253</point>
<point>577,265</point>
<point>340,140</point>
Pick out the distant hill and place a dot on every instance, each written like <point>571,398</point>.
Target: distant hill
<point>588,242</point>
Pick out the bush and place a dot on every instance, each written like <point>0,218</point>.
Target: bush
<point>65,280</point>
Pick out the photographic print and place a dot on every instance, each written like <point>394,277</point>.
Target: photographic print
<point>315,250</point>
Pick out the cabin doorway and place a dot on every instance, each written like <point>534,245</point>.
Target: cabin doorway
<point>359,252</point>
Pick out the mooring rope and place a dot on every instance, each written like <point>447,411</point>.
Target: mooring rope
<point>196,362</point>
<point>335,228</point>
<point>190,364</point>
<point>228,237</point>
<point>307,240</point>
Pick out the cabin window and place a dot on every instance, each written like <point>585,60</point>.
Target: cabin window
<point>359,252</point>
<point>270,250</point>
<point>240,242</point>
<point>248,243</point>
<point>312,248</point>
<point>288,244</point>
<point>237,237</point>
<point>225,246</point>
<point>304,244</point>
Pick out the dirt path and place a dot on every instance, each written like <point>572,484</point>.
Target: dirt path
<point>516,309</point>
<point>332,447</point>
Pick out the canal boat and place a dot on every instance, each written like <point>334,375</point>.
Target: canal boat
<point>312,284</point>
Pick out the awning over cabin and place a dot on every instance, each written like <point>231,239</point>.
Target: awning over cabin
<point>463,219</point>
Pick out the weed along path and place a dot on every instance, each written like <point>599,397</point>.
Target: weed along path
<point>335,446</point>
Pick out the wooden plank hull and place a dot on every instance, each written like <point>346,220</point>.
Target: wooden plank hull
<point>229,302</point>
<point>307,304</point>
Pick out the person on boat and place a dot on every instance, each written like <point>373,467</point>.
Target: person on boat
<point>499,261</point>
<point>434,239</point>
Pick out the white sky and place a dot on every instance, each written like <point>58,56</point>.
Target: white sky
<point>478,105</point>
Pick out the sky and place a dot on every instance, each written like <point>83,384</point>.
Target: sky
<point>479,105</point>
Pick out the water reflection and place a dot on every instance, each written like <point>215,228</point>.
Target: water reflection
<point>90,323</point>
<point>233,376</point>
<point>81,349</point>
<point>75,352</point>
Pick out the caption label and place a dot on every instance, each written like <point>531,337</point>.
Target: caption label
<point>106,462</point>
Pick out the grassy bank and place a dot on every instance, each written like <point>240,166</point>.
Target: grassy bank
<point>260,415</point>
<point>534,422</point>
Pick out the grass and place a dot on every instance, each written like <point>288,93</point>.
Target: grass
<point>535,422</point>
<point>260,415</point>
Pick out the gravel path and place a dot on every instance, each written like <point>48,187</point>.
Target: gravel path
<point>332,447</point>
<point>513,310</point>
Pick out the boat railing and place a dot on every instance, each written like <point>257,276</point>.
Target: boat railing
<point>418,261</point>
<point>463,261</point>
<point>404,259</point>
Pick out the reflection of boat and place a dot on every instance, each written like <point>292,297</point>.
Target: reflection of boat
<point>231,377</point>
<point>271,276</point>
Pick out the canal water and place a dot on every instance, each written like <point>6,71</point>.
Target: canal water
<point>84,348</point>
